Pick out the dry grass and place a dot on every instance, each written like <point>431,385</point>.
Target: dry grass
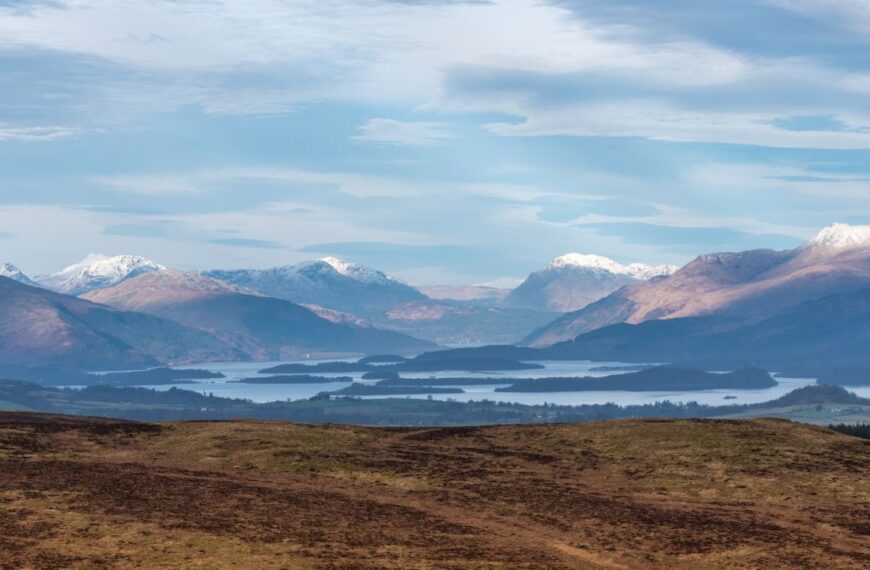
<point>624,494</point>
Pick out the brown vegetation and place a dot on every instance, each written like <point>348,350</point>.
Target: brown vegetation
<point>626,494</point>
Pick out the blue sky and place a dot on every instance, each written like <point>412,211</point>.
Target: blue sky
<point>443,141</point>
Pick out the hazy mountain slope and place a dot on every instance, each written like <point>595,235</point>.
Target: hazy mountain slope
<point>815,336</point>
<point>475,295</point>
<point>96,271</point>
<point>457,323</point>
<point>750,285</point>
<point>39,327</point>
<point>574,280</point>
<point>329,282</point>
<point>262,327</point>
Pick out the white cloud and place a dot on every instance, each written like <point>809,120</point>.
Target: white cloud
<point>199,181</point>
<point>271,56</point>
<point>372,51</point>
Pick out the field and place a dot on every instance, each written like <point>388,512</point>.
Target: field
<point>87,492</point>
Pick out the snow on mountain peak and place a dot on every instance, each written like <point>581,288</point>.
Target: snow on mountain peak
<point>8,270</point>
<point>12,272</point>
<point>601,263</point>
<point>838,237</point>
<point>97,271</point>
<point>586,260</point>
<point>355,271</point>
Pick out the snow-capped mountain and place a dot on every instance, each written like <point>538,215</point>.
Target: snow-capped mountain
<point>840,237</point>
<point>574,280</point>
<point>97,271</point>
<point>329,282</point>
<point>12,272</point>
<point>745,285</point>
<point>605,264</point>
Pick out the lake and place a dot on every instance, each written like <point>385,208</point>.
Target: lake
<point>272,392</point>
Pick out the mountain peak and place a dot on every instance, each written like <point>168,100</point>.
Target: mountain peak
<point>12,272</point>
<point>601,263</point>
<point>838,237</point>
<point>97,271</point>
<point>355,270</point>
<point>585,260</point>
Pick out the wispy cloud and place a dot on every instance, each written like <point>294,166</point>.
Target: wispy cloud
<point>692,239</point>
<point>36,133</point>
<point>247,242</point>
<point>149,185</point>
<point>672,78</point>
<point>390,131</point>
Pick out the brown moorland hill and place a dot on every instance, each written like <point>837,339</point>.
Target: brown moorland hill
<point>86,492</point>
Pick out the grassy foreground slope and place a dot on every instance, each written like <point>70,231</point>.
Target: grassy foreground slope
<point>89,492</point>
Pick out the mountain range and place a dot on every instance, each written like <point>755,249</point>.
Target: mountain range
<point>258,326</point>
<point>161,316</point>
<point>338,289</point>
<point>748,286</point>
<point>353,294</point>
<point>752,306</point>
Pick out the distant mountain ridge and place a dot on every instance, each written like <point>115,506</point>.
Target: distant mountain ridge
<point>750,285</point>
<point>346,292</point>
<point>575,280</point>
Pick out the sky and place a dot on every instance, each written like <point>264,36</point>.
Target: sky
<point>442,141</point>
